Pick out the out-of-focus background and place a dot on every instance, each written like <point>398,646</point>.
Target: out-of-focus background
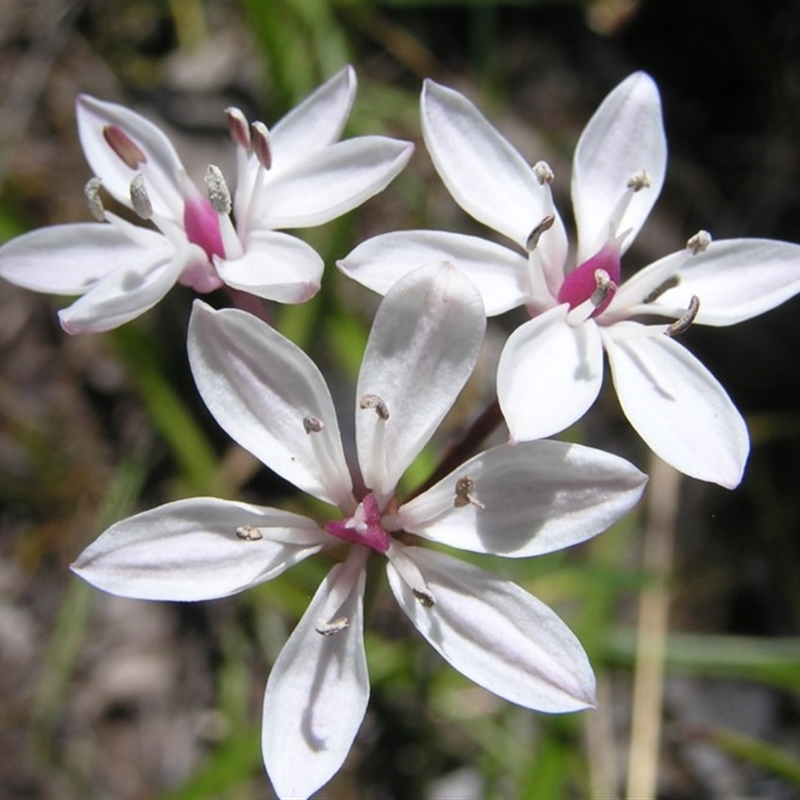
<point>102,697</point>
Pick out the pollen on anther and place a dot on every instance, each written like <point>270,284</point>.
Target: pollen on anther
<point>684,322</point>
<point>640,180</point>
<point>699,242</point>
<point>92,194</point>
<point>465,493</point>
<point>425,598</point>
<point>543,173</point>
<point>376,403</point>
<point>248,533</point>
<point>312,424</point>
<point>218,193</point>
<point>334,626</point>
<point>139,199</point>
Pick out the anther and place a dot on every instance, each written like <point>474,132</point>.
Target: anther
<point>238,128</point>
<point>699,242</point>
<point>92,194</point>
<point>604,286</point>
<point>334,626</point>
<point>261,145</point>
<point>465,488</point>
<point>139,199</point>
<point>425,598</point>
<point>122,144</point>
<point>669,283</point>
<point>218,193</point>
<point>543,173</point>
<point>640,180</point>
<point>373,401</point>
<point>684,322</point>
<point>249,533</point>
<point>535,234</point>
<point>313,424</point>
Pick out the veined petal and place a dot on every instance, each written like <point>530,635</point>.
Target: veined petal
<point>266,392</point>
<point>497,635</point>
<point>485,174</point>
<point>162,164</point>
<point>330,182</point>
<point>525,499</point>
<point>275,266</point>
<point>422,348</point>
<point>128,291</point>
<point>70,259</point>
<point>549,374</point>
<point>190,550</point>
<point>625,136</point>
<point>736,279</point>
<point>499,274</point>
<point>676,405</point>
<point>318,690</point>
<point>315,123</point>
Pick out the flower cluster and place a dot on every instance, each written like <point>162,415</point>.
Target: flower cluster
<point>524,498</point>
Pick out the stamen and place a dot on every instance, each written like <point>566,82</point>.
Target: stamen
<point>313,424</point>
<point>128,151</point>
<point>249,533</point>
<point>334,626</point>
<point>535,234</point>
<point>261,146</point>
<point>425,598</point>
<point>92,194</point>
<point>543,173</point>
<point>139,199</point>
<point>238,127</point>
<point>604,286</point>
<point>699,242</point>
<point>373,401</point>
<point>639,180</point>
<point>218,193</point>
<point>465,488</point>
<point>684,323</point>
<point>669,283</point>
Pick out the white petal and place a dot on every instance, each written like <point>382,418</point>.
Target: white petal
<point>736,279</point>
<point>162,168</point>
<point>422,348</point>
<point>70,259</point>
<point>529,498</point>
<point>549,374</point>
<point>676,405</point>
<point>261,388</point>
<point>318,690</point>
<point>498,273</point>
<point>129,290</point>
<point>625,136</point>
<point>315,123</point>
<point>328,183</point>
<point>189,550</point>
<point>497,635</point>
<point>487,177</point>
<point>275,266</point>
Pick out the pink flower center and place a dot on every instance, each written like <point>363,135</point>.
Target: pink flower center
<point>582,283</point>
<point>202,226</point>
<point>364,527</point>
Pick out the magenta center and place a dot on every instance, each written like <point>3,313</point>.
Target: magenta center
<point>364,527</point>
<point>581,283</point>
<point>202,226</point>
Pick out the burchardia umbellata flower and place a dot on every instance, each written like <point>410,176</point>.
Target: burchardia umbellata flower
<point>512,500</point>
<point>296,175</point>
<point>551,368</point>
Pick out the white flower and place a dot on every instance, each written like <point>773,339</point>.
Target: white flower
<point>551,368</point>
<point>512,500</point>
<point>297,175</point>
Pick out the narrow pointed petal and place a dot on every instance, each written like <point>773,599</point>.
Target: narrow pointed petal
<point>485,174</point>
<point>498,273</point>
<point>129,290</point>
<point>736,279</point>
<point>625,136</point>
<point>317,122</point>
<point>189,550</point>
<point>328,183</point>
<point>274,266</point>
<point>318,690</point>
<point>163,166</point>
<point>69,259</point>
<point>422,348</point>
<point>676,405</point>
<point>549,374</point>
<point>497,635</point>
<point>261,389</point>
<point>525,499</point>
